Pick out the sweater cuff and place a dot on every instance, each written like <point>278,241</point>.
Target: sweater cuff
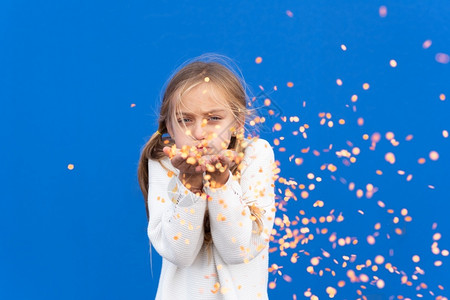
<point>180,195</point>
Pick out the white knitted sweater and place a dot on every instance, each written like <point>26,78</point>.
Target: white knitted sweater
<point>236,267</point>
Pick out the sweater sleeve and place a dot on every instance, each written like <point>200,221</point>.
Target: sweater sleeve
<point>175,226</point>
<point>235,235</point>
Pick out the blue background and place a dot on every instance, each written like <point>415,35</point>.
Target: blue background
<point>70,72</point>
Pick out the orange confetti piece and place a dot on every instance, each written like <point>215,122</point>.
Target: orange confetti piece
<point>258,60</point>
<point>390,157</point>
<point>389,135</point>
<point>191,160</point>
<point>380,283</point>
<point>426,44</point>
<point>332,168</point>
<point>436,236</point>
<point>314,261</point>
<point>379,259</point>
<point>331,291</point>
<point>382,11</point>
<point>220,217</point>
<point>442,58</point>
<point>434,155</point>
<point>70,166</point>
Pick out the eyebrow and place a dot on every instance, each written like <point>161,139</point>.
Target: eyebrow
<point>214,111</point>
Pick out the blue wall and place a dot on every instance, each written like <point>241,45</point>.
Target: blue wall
<point>80,82</point>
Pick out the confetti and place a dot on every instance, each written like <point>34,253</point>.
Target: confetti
<point>380,283</point>
<point>426,44</point>
<point>442,58</point>
<point>331,291</point>
<point>390,157</point>
<point>434,155</point>
<point>306,218</point>
<point>382,11</point>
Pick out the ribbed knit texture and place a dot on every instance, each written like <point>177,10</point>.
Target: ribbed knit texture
<point>236,267</point>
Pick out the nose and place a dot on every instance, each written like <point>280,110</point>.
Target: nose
<point>198,131</point>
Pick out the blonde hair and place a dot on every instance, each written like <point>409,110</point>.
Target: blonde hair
<point>225,77</point>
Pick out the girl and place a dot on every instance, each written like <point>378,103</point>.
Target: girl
<point>209,191</point>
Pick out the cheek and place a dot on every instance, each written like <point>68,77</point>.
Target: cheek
<point>226,129</point>
<point>180,139</point>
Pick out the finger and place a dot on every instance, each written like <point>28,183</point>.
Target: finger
<point>177,160</point>
<point>224,160</point>
<point>213,159</point>
<point>167,151</point>
<point>202,161</point>
<point>171,151</point>
<point>231,154</point>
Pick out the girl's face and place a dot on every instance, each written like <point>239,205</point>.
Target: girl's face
<point>209,122</point>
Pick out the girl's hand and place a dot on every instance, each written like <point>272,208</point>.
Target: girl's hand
<point>191,165</point>
<point>187,160</point>
<point>217,167</point>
